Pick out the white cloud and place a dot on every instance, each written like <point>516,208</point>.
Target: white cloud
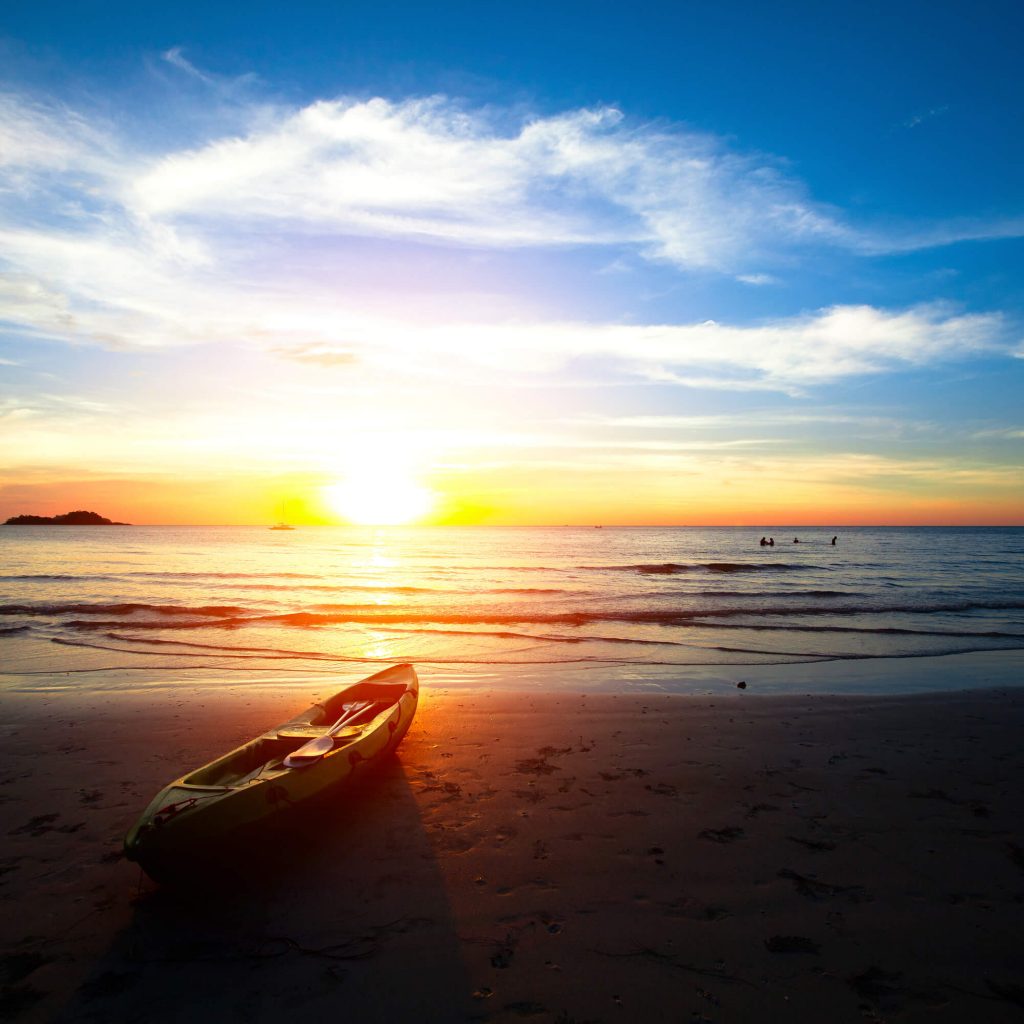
<point>53,151</point>
<point>88,291</point>
<point>430,168</point>
<point>176,58</point>
<point>927,115</point>
<point>785,354</point>
<point>101,244</point>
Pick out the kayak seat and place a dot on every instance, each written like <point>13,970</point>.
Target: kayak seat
<point>296,730</point>
<point>308,732</point>
<point>227,770</point>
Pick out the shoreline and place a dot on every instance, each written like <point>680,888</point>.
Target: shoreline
<point>549,857</point>
<point>943,673</point>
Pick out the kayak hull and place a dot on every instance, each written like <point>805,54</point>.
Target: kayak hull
<point>249,789</point>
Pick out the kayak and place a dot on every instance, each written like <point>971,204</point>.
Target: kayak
<point>290,765</point>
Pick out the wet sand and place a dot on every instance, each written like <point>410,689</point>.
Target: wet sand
<point>536,858</point>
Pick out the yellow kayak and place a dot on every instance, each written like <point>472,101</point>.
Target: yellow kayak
<point>302,759</point>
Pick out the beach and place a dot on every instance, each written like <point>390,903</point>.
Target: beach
<point>540,856</point>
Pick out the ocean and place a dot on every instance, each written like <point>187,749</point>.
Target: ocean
<point>605,608</point>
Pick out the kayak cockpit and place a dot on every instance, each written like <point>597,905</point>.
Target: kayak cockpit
<point>266,753</point>
<point>384,695</point>
<point>232,768</point>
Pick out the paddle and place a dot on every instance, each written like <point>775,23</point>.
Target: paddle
<point>315,748</point>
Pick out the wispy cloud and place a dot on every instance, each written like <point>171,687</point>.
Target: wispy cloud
<point>176,58</point>
<point>103,243</point>
<point>758,279</point>
<point>318,355</point>
<point>432,168</point>
<point>92,290</point>
<point>925,115</point>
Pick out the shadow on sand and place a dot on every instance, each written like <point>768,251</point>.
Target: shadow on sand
<point>343,912</point>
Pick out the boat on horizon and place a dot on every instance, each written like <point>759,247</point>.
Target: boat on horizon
<point>282,526</point>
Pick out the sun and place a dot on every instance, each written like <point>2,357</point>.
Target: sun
<point>376,502</point>
<point>379,487</point>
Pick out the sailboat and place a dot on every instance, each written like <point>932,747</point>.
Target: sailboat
<point>282,523</point>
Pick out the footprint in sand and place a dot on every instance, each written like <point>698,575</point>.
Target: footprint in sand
<point>535,766</point>
<point>43,823</point>
<point>791,944</point>
<point>818,845</point>
<point>729,834</point>
<point>812,889</point>
<point>504,951</point>
<point>662,789</point>
<point>503,833</point>
<point>695,910</point>
<point>533,796</point>
<point>756,809</point>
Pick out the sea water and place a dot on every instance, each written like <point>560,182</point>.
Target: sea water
<point>606,608</point>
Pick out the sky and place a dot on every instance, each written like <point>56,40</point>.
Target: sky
<point>532,263</point>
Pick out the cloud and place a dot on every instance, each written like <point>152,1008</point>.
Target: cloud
<point>433,169</point>
<point>176,58</point>
<point>430,168</point>
<point>927,115</point>
<point>146,292</point>
<point>785,354</point>
<point>104,244</point>
<point>318,355</point>
<point>51,150</point>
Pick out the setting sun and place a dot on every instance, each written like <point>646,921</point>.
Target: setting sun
<point>378,502</point>
<point>379,486</point>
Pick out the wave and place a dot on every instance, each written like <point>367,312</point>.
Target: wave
<point>675,568</point>
<point>759,594</point>
<point>141,616</point>
<point>127,608</point>
<point>871,630</point>
<point>145,647</point>
<point>107,577</point>
<point>52,578</point>
<point>376,612</point>
<point>485,634</point>
<point>225,575</point>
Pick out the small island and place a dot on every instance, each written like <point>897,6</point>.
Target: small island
<point>77,518</point>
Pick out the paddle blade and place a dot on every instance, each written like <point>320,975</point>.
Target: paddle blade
<point>309,752</point>
<point>314,749</point>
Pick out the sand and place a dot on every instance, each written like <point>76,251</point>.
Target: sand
<point>536,858</point>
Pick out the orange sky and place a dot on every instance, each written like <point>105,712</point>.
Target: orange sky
<point>509,496</point>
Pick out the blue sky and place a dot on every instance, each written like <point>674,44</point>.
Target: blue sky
<point>697,252</point>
